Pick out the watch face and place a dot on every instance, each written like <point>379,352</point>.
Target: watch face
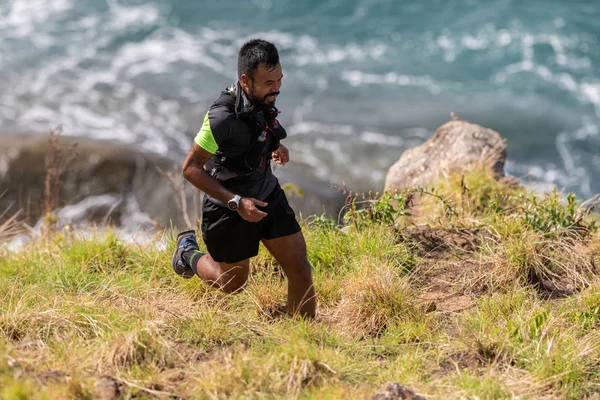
<point>232,204</point>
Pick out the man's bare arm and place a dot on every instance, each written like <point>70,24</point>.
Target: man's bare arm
<point>194,172</point>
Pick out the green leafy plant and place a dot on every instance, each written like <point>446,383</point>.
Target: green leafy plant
<point>554,218</point>
<point>532,328</point>
<point>322,221</point>
<point>379,209</point>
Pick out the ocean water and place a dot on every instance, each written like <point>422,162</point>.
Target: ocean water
<point>364,79</point>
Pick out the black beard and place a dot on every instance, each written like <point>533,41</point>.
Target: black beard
<point>258,102</point>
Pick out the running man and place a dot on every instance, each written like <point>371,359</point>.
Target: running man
<point>230,161</point>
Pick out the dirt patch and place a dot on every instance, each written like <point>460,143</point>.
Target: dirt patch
<point>460,360</point>
<point>452,273</point>
<point>434,242</point>
<point>52,376</point>
<point>446,303</point>
<point>188,353</point>
<point>448,277</point>
<point>447,286</point>
<point>452,276</point>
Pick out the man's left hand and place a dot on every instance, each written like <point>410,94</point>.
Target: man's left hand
<point>282,155</point>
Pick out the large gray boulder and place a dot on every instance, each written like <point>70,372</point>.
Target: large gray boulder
<point>455,146</point>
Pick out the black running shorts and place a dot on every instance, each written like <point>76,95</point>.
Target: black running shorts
<point>229,238</point>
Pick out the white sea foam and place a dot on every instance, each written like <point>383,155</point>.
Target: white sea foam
<point>127,72</point>
<point>358,78</point>
<point>22,17</point>
<point>122,17</point>
<point>320,128</point>
<point>382,139</point>
<point>591,92</point>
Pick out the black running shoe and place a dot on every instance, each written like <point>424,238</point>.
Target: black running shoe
<point>186,240</point>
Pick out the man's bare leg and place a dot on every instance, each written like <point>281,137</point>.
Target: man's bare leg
<point>230,278</point>
<point>290,253</point>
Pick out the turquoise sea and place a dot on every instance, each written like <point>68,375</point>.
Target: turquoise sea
<point>364,79</point>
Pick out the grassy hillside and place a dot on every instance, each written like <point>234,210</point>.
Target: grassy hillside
<point>482,291</point>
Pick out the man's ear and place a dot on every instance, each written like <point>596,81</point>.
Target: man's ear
<point>245,82</point>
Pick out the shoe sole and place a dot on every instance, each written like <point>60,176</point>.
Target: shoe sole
<point>188,273</point>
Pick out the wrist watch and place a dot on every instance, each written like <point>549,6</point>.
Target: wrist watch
<point>234,203</point>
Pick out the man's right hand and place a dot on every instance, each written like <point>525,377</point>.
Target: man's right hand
<point>248,210</point>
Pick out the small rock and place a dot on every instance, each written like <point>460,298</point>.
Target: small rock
<point>396,391</point>
<point>106,388</point>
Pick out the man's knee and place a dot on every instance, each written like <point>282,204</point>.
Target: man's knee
<point>234,280</point>
<point>301,269</point>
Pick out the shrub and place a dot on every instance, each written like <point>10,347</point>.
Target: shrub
<point>553,218</point>
<point>385,209</point>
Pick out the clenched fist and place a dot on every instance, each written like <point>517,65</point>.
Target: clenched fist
<point>282,155</point>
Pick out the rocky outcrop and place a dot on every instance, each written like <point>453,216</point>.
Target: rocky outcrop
<point>107,182</point>
<point>103,173</point>
<point>455,146</point>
